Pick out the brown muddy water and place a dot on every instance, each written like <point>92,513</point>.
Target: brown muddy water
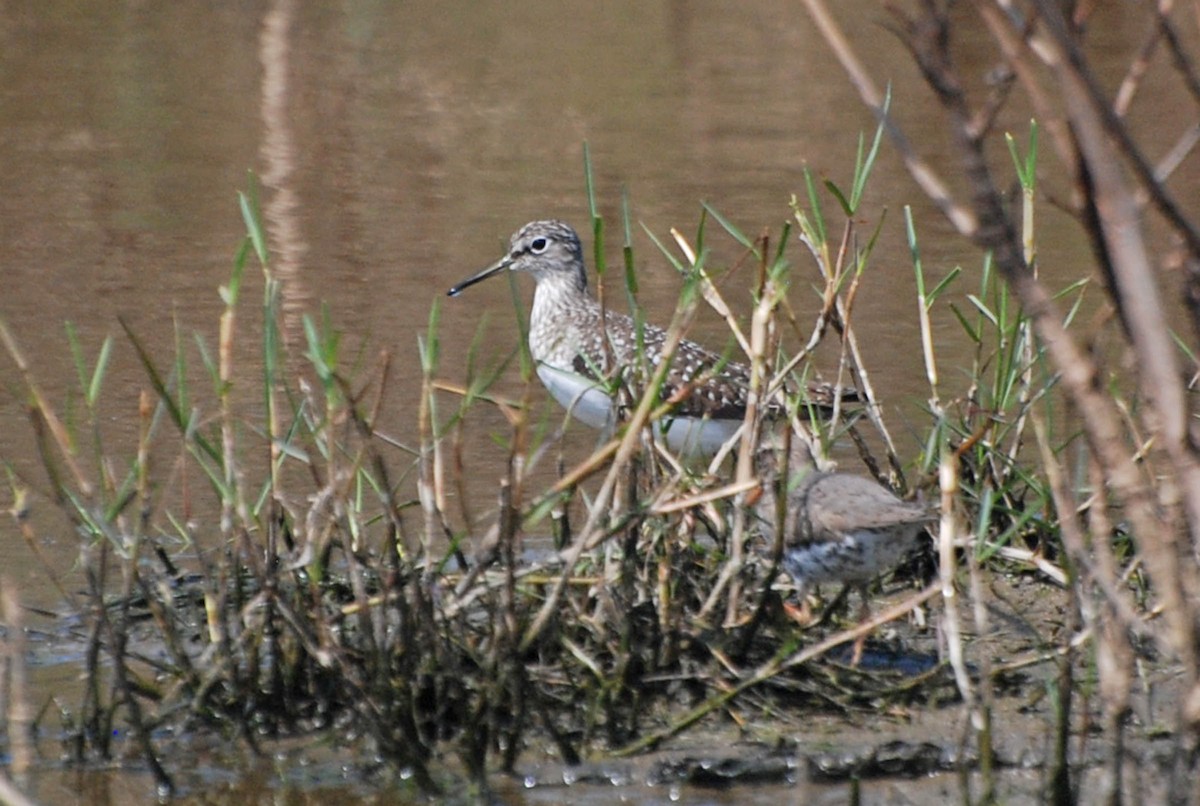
<point>400,144</point>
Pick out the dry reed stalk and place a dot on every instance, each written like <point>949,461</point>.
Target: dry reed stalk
<point>839,309</point>
<point>1105,610</point>
<point>1096,147</point>
<point>11,795</point>
<point>592,535</point>
<point>948,542</point>
<point>769,293</point>
<point>15,706</point>
<point>21,515</point>
<point>40,409</point>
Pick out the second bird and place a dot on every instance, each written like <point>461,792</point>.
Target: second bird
<point>837,527</point>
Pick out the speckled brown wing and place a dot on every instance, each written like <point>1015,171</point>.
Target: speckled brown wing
<point>724,391</point>
<point>723,394</point>
<point>833,505</point>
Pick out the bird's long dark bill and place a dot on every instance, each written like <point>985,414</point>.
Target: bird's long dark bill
<point>495,268</point>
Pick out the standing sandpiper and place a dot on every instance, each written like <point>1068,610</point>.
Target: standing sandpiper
<point>568,333</point>
<point>838,527</point>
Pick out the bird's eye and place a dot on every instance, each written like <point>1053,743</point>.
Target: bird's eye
<point>538,245</point>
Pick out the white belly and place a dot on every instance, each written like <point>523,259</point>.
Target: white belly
<point>588,402</point>
<point>688,436</point>
<point>584,398</point>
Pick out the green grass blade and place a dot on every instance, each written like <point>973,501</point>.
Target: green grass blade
<point>728,226</point>
<point>631,284</point>
<point>164,394</point>
<point>842,201</point>
<point>863,167</point>
<point>93,389</point>
<point>945,282</point>
<point>972,333</point>
<point>814,204</point>
<point>589,182</point>
<point>252,218</point>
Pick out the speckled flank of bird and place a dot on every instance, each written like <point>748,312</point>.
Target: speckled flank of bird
<point>578,347</point>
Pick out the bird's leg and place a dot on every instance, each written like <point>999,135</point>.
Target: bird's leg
<point>800,613</point>
<point>864,613</point>
<point>835,605</point>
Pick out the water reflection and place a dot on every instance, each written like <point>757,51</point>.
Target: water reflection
<point>279,156</point>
